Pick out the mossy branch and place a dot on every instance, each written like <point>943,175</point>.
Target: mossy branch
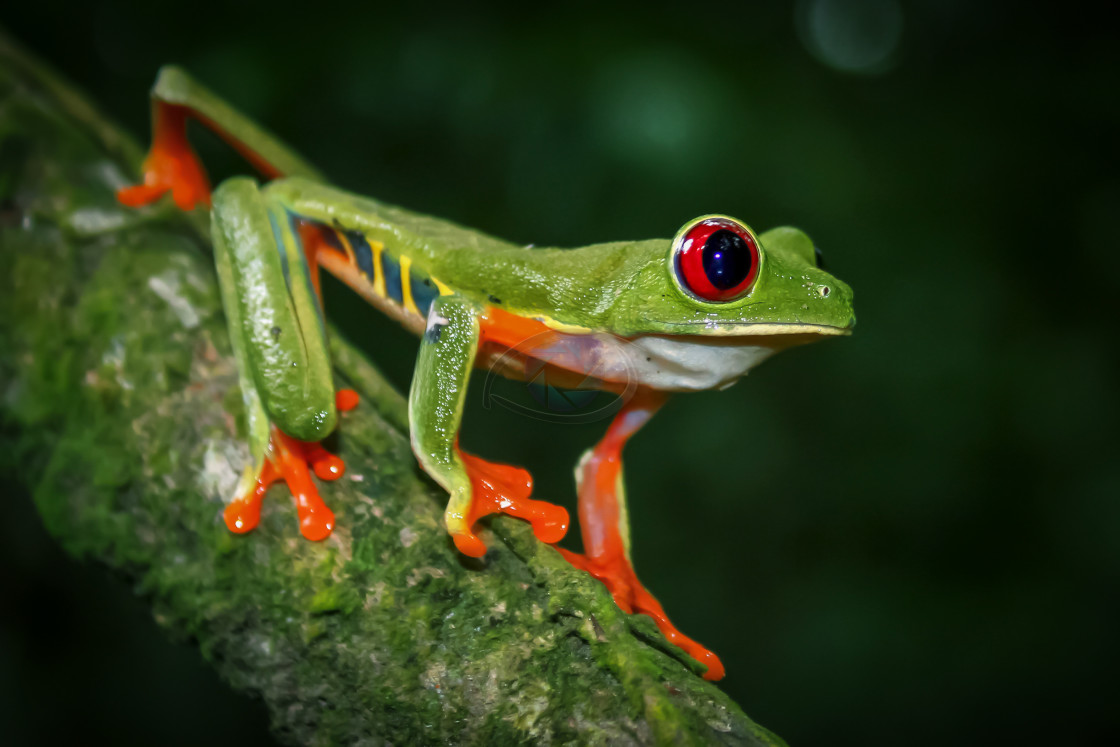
<point>119,408</point>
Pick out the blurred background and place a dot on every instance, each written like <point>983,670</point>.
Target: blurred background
<point>910,536</point>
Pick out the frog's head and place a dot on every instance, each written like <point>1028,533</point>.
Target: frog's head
<point>717,300</point>
<point>717,278</point>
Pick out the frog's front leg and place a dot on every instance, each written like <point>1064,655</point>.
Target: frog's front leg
<point>605,527</point>
<point>435,408</point>
<point>276,330</point>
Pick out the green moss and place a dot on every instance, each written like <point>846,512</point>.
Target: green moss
<point>119,388</point>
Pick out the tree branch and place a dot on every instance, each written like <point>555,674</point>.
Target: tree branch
<point>118,397</point>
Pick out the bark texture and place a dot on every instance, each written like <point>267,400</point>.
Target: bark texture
<point>119,409</point>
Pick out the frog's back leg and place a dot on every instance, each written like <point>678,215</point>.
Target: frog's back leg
<point>276,329</point>
<point>268,294</point>
<point>171,165</point>
<point>606,529</point>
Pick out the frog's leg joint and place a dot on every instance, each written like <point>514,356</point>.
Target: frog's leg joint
<point>605,527</point>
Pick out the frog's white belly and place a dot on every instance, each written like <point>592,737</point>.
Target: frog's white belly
<point>667,363</point>
<point>672,363</point>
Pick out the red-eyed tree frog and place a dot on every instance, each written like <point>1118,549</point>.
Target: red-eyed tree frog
<point>639,318</point>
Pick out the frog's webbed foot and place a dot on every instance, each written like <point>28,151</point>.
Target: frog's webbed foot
<point>605,528</point>
<point>292,461</point>
<point>502,488</point>
<point>618,575</point>
<point>171,165</point>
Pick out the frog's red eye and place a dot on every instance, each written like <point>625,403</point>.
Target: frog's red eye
<point>717,260</point>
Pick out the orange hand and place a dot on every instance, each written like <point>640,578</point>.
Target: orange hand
<point>171,165</point>
<point>502,488</point>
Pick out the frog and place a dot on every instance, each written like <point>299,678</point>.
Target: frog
<point>641,320</point>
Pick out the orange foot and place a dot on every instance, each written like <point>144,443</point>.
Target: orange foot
<point>631,597</point>
<point>289,459</point>
<point>171,165</point>
<point>502,488</point>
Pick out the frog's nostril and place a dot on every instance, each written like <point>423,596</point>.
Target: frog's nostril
<point>824,290</point>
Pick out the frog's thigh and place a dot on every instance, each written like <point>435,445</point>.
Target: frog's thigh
<point>436,400</point>
<point>273,313</point>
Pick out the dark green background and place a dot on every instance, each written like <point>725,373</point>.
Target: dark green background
<point>905,537</point>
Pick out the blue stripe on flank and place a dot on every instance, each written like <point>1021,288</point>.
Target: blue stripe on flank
<point>293,224</point>
<point>278,240</point>
<point>363,254</point>
<point>392,270</point>
<point>424,291</point>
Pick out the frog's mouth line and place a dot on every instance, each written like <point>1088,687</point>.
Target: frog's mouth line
<point>758,331</point>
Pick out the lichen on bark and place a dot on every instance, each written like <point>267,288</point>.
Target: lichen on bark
<point>120,411</point>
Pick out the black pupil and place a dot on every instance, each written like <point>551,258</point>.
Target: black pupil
<point>727,259</point>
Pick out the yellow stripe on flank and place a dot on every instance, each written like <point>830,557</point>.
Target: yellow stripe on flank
<point>378,274</point>
<point>346,245</point>
<point>406,285</point>
<point>443,289</point>
<point>572,329</point>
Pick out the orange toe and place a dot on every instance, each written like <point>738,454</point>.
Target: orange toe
<point>316,523</point>
<point>346,399</point>
<point>139,195</point>
<point>243,515</point>
<point>469,544</point>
